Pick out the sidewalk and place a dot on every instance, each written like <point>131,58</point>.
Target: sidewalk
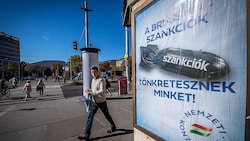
<point>54,117</point>
<point>121,110</point>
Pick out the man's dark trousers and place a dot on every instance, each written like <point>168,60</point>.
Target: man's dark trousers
<point>92,112</point>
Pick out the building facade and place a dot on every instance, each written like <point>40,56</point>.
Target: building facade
<point>9,49</point>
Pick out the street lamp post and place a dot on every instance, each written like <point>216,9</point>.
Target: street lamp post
<point>70,73</point>
<point>19,72</point>
<point>2,67</point>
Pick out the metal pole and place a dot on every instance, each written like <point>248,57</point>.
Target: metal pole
<point>70,69</point>
<point>126,44</point>
<point>127,56</point>
<point>86,24</point>
<point>19,72</point>
<point>2,70</point>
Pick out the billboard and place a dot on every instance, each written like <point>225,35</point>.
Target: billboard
<point>191,69</point>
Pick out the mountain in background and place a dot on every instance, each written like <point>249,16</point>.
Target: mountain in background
<point>111,62</point>
<point>48,63</point>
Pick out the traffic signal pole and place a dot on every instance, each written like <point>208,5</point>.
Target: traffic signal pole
<point>86,10</point>
<point>86,23</point>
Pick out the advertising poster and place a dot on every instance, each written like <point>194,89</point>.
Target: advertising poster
<point>191,60</point>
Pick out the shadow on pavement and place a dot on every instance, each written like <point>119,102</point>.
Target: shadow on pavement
<point>119,97</point>
<point>71,90</point>
<point>120,132</point>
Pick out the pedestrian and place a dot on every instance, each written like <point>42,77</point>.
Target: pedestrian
<point>14,82</point>
<point>98,97</point>
<point>64,80</point>
<point>107,86</point>
<point>27,89</point>
<point>40,85</point>
<point>3,86</point>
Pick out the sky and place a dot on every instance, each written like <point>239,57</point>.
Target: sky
<point>47,28</point>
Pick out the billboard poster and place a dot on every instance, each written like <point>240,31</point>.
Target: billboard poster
<point>191,60</point>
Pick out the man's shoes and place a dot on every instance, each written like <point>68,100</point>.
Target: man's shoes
<point>83,137</point>
<point>111,130</point>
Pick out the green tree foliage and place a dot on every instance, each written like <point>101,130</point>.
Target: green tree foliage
<point>116,68</point>
<point>76,64</point>
<point>11,70</point>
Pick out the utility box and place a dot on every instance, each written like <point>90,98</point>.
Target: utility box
<point>122,85</point>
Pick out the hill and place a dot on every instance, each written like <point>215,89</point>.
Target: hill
<point>111,62</point>
<point>48,63</point>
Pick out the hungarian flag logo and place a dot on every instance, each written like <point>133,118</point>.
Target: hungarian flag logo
<point>200,130</point>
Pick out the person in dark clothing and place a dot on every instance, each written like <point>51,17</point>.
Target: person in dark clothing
<point>3,86</point>
<point>107,87</point>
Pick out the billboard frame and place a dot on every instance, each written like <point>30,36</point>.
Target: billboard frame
<point>139,6</point>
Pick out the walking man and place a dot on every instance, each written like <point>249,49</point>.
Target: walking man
<point>97,95</point>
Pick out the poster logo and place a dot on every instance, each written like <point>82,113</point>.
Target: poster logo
<point>200,130</point>
<point>201,125</point>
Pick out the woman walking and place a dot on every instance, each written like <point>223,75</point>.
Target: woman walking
<point>40,85</point>
<point>27,89</point>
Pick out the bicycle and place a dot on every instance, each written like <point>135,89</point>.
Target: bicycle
<point>5,92</point>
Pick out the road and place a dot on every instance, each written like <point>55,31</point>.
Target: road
<point>53,91</point>
<point>59,115</point>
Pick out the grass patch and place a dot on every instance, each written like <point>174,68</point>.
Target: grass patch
<point>77,82</point>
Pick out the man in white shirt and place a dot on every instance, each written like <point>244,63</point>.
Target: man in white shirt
<point>97,94</point>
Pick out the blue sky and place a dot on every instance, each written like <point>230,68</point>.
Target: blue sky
<point>47,28</point>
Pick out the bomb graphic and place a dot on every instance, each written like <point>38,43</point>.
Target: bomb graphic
<point>192,63</point>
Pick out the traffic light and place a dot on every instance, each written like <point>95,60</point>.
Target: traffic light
<point>75,45</point>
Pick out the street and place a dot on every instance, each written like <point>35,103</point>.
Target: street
<point>60,115</point>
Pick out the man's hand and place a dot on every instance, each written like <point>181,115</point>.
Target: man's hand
<point>88,91</point>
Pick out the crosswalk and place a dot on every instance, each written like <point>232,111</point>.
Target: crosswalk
<point>17,96</point>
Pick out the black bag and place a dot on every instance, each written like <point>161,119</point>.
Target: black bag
<point>107,84</point>
<point>38,88</point>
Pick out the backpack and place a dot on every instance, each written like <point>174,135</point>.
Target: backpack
<point>107,84</point>
<point>28,88</point>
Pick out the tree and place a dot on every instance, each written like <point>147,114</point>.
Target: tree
<point>11,70</point>
<point>25,69</point>
<point>47,72</point>
<point>119,68</point>
<point>105,66</point>
<point>76,63</point>
<point>28,70</point>
<point>57,69</point>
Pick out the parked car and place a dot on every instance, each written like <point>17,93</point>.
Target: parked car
<point>14,78</point>
<point>79,76</point>
<point>29,78</point>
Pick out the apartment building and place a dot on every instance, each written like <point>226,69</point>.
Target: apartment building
<point>9,49</point>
